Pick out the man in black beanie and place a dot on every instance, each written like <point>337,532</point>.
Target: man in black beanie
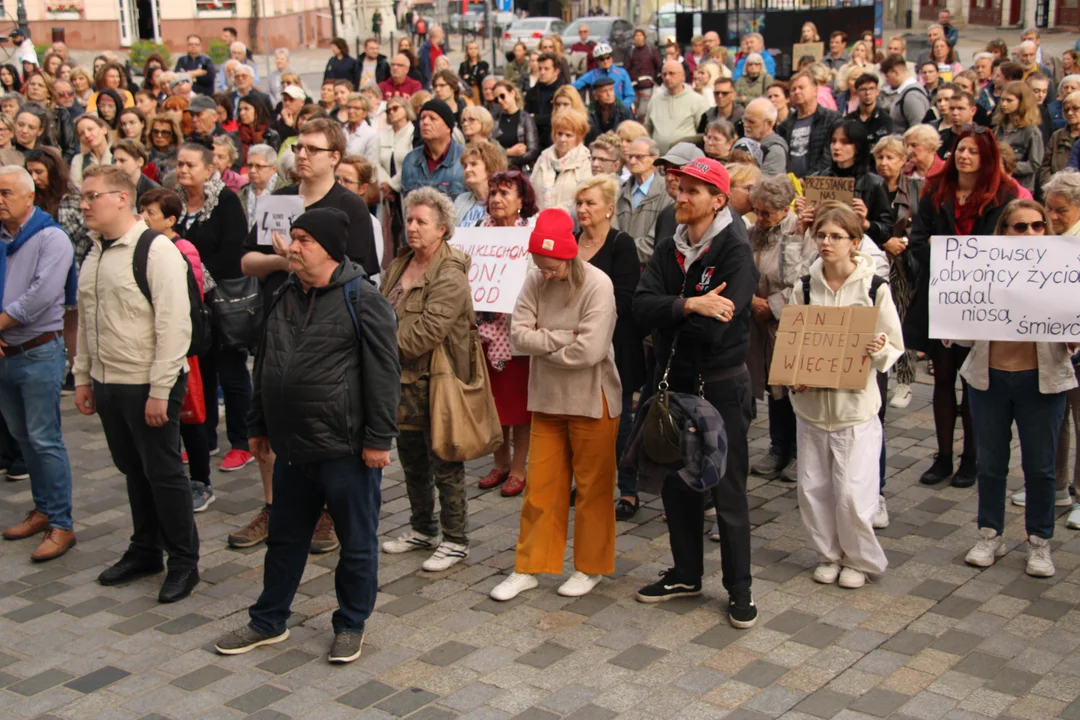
<point>326,403</point>
<point>437,162</point>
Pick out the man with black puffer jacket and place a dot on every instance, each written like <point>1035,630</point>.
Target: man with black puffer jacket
<point>703,336</point>
<point>327,387</point>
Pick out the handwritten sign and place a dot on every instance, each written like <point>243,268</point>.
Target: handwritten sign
<point>801,50</point>
<point>276,213</point>
<point>818,189</point>
<point>500,259</point>
<point>1005,288</point>
<point>823,347</point>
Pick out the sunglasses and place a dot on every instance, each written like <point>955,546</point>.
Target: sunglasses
<point>501,96</point>
<point>974,129</point>
<point>1022,227</point>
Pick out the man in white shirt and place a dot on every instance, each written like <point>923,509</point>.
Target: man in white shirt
<point>361,138</point>
<point>25,51</point>
<point>674,114</point>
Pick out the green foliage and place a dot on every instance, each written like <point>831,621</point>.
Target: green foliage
<point>42,49</point>
<point>145,48</point>
<point>219,51</point>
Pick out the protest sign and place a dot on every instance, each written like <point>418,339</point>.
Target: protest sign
<point>823,347</point>
<point>500,259</point>
<point>276,213</point>
<point>801,50</point>
<point>1005,288</point>
<point>819,188</point>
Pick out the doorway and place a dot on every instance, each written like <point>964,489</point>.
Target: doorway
<point>147,27</point>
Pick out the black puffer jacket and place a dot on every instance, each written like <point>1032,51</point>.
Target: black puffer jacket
<point>321,391</point>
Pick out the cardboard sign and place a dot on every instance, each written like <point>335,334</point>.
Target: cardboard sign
<point>500,259</point>
<point>276,213</point>
<point>1022,289</point>
<point>823,347</point>
<point>818,188</point>
<point>800,50</point>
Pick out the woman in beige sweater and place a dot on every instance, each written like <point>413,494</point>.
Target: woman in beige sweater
<point>564,320</point>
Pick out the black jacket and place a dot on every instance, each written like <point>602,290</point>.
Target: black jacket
<point>343,68</point>
<point>473,75</point>
<point>618,258</point>
<point>597,126</point>
<point>382,67</point>
<point>67,142</point>
<point>254,93</point>
<point>219,235</point>
<point>665,224</point>
<point>870,188</point>
<point>929,221</point>
<point>321,390</point>
<point>526,134</point>
<point>878,125</point>
<point>821,130</point>
<point>706,345</point>
<point>538,103</point>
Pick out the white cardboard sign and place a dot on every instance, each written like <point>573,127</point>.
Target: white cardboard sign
<point>276,213</point>
<point>1018,288</point>
<point>500,259</point>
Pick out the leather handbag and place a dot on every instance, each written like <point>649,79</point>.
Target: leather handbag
<point>464,421</point>
<point>237,308</point>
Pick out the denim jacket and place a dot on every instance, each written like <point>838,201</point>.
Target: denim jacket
<point>448,177</point>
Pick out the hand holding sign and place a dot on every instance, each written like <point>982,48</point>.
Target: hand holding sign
<point>819,188</point>
<point>281,245</point>
<point>275,213</point>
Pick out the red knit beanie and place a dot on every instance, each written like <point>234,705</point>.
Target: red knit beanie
<point>553,235</point>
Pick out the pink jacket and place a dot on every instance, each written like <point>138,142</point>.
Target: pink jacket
<point>192,256</point>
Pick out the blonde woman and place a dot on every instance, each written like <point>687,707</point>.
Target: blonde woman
<point>476,124</point>
<point>823,76</point>
<point>566,163</point>
<point>1016,122</point>
<point>705,76</point>
<point>809,33</point>
<point>568,98</point>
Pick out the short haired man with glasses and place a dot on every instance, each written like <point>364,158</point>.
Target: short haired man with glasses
<point>878,123</point>
<point>676,113</point>
<point>606,68</point>
<point>133,375</point>
<point>399,84</point>
<point>585,46</point>
<point>606,112</point>
<point>65,98</point>
<point>641,197</point>
<point>318,150</point>
<point>199,67</point>
<point>726,107</point>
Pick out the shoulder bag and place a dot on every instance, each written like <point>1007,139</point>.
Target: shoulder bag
<point>464,420</point>
<point>237,308</point>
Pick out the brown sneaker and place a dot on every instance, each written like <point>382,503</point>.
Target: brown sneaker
<point>325,539</point>
<point>56,543</point>
<point>254,533</point>
<point>34,523</point>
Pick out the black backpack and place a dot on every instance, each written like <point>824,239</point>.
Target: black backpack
<point>200,313</point>
<point>876,281</point>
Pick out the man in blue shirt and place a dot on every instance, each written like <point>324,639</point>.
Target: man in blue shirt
<point>34,273</point>
<point>755,43</point>
<point>624,88</point>
<point>200,67</point>
<point>437,162</point>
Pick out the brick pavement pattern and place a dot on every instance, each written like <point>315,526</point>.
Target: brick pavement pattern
<point>932,639</point>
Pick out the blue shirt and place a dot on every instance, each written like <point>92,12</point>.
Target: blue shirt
<point>34,283</point>
<point>624,89</point>
<point>203,85</point>
<point>448,176</point>
<point>770,65</point>
<point>641,190</point>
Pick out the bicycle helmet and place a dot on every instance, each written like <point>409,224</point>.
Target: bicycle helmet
<point>601,50</point>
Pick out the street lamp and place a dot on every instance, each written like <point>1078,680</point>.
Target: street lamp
<point>21,19</point>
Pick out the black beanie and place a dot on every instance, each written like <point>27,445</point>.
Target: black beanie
<point>441,109</point>
<point>329,227</point>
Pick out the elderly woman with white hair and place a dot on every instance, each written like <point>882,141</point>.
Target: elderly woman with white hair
<point>754,81</point>
<point>263,179</point>
<point>921,143</point>
<point>281,66</point>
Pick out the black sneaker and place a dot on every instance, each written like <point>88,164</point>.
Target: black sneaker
<point>742,613</point>
<point>68,388</point>
<point>18,471</point>
<point>668,587</point>
<point>246,639</point>
<point>966,473</point>
<point>346,648</point>
<point>624,509</point>
<point>941,470</point>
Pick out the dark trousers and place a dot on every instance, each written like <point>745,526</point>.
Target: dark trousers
<point>10,452</point>
<point>197,443</point>
<point>883,388</point>
<point>349,489</point>
<point>685,508</point>
<point>782,428</point>
<point>229,367</point>
<point>627,478</point>
<point>1015,396</point>
<point>149,457</point>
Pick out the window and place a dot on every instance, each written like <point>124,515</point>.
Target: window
<point>216,7</point>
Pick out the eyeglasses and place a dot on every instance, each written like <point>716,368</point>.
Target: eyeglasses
<point>257,166</point>
<point>723,93</point>
<point>1070,110</point>
<point>355,107</point>
<point>638,156</point>
<point>502,96</point>
<point>1022,227</point>
<point>67,94</point>
<point>90,198</point>
<point>308,149</point>
<point>348,182</point>
<point>162,133</point>
<point>974,129</point>
<point>600,159</point>
<point>830,237</point>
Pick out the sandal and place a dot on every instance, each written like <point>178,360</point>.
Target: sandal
<point>493,479</point>
<point>930,366</point>
<point>513,486</point>
<point>624,509</point>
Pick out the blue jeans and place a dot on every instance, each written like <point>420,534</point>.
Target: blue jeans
<point>1015,396</point>
<point>627,478</point>
<point>30,401</point>
<point>350,490</point>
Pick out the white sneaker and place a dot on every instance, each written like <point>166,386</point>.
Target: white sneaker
<point>901,396</point>
<point>514,584</point>
<point>881,517</point>
<point>851,578</point>
<point>1061,498</point>
<point>1039,563</point>
<point>446,556</point>
<point>990,547</point>
<point>826,573</point>
<point>1073,521</point>
<point>1019,499</point>
<point>579,584</point>
<point>411,540</point>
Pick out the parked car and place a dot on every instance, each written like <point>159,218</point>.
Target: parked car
<point>530,30</point>
<point>615,31</point>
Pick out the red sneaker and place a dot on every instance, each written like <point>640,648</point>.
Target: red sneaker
<point>183,457</point>
<point>236,459</point>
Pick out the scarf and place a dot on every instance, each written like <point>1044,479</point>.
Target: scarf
<point>211,193</point>
<point>688,254</point>
<point>250,136</point>
<point>39,220</point>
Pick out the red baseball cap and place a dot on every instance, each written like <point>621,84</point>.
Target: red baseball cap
<point>707,171</point>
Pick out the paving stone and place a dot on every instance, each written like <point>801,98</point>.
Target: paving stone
<point>91,606</point>
<point>761,674</point>
<point>407,701</point>
<point>1025,588</point>
<point>592,712</point>
<point>405,605</point>
<point>97,679</point>
<point>366,695</point>
<point>287,661</point>
<point>536,714</point>
<point>183,624</point>
<point>933,589</point>
<point>956,607</point>
<point>447,654</point>
<point>879,702</point>
<point>33,611</point>
<point>980,664</point>
<point>790,621</point>
<point>818,635</point>
<point>908,642</point>
<point>719,636</point>
<point>544,655</point>
<point>957,642</point>
<point>198,679</point>
<point>1048,609</point>
<point>569,698</point>
<point>268,714</point>
<point>138,623</point>
<point>1014,682</point>
<point>638,657</point>
<point>824,703</point>
<point>40,682</point>
<point>257,699</point>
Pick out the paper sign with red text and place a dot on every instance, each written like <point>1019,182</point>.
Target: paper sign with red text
<point>500,259</point>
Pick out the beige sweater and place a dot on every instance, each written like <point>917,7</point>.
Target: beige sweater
<point>573,362</point>
<point>122,339</point>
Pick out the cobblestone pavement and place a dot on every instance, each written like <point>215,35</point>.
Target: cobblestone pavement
<point>932,638</point>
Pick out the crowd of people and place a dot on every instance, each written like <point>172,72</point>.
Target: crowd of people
<point>667,232</point>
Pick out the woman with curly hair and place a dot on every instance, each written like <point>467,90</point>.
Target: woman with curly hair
<point>110,77</point>
<point>40,88</point>
<point>565,164</point>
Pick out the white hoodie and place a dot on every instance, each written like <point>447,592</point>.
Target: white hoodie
<point>837,409</point>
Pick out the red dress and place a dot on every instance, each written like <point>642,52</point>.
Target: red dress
<point>510,387</point>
